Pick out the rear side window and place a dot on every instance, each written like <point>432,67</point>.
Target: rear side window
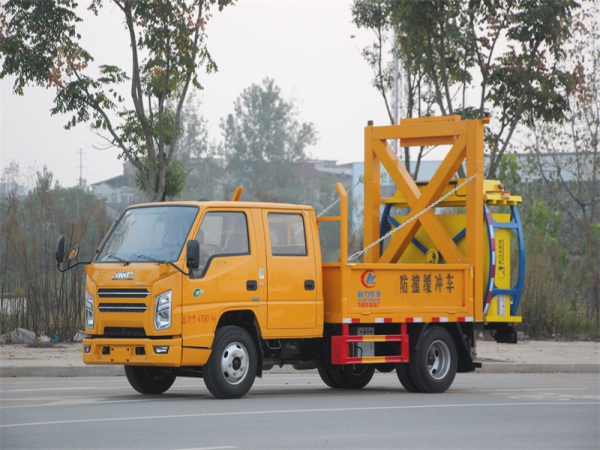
<point>287,234</point>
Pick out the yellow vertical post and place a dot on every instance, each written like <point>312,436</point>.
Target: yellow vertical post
<point>475,222</point>
<point>372,198</point>
<point>237,194</point>
<point>343,222</point>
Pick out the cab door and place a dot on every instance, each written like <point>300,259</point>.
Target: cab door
<point>291,271</point>
<point>228,276</point>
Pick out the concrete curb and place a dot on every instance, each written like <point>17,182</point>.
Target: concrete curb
<point>538,368</point>
<point>108,371</point>
<point>57,372</point>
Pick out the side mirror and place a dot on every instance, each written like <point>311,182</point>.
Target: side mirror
<point>60,249</point>
<point>60,255</point>
<point>192,255</point>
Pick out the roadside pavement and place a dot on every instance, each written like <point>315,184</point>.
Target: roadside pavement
<point>64,360</point>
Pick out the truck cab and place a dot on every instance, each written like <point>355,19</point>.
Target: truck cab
<point>259,267</point>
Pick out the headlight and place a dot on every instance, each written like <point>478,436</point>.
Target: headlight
<point>89,310</point>
<point>162,312</point>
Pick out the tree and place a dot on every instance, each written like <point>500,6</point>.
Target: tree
<point>33,294</point>
<point>567,161</point>
<point>265,144</point>
<point>200,156</point>
<point>377,17</point>
<point>40,45</point>
<point>512,48</point>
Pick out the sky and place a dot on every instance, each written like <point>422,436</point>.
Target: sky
<point>305,46</point>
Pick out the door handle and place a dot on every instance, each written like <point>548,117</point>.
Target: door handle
<point>251,285</point>
<point>309,285</point>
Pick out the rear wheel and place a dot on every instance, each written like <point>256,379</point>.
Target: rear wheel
<point>231,368</point>
<point>385,368</point>
<point>327,377</point>
<point>403,372</point>
<point>353,376</point>
<point>433,367</point>
<point>150,380</point>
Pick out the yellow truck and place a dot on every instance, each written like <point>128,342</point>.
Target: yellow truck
<point>223,290</point>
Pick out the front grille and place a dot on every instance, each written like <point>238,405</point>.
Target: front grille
<point>123,307</point>
<point>124,332</point>
<point>123,293</point>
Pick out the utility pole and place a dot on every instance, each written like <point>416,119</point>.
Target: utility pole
<point>80,165</point>
<point>397,89</point>
<point>395,93</point>
<point>399,95</point>
<point>80,178</point>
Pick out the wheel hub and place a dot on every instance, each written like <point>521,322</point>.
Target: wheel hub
<point>438,360</point>
<point>234,363</point>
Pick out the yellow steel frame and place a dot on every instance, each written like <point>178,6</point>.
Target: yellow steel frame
<point>466,139</point>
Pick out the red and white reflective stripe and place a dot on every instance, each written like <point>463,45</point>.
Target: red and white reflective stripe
<point>350,320</point>
<point>414,319</point>
<point>439,319</point>
<point>488,299</point>
<point>383,320</point>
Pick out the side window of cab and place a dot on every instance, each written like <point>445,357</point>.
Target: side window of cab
<point>287,234</point>
<point>221,234</point>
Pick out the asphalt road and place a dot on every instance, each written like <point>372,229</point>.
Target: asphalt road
<point>299,411</point>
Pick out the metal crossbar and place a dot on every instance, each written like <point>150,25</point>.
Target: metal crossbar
<point>412,219</point>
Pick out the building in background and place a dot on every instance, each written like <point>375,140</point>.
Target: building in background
<point>117,192</point>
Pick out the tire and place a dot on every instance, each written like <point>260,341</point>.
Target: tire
<point>150,380</point>
<point>327,377</point>
<point>353,376</point>
<point>433,367</point>
<point>403,372</point>
<point>231,368</point>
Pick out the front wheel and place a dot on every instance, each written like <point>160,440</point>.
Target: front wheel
<point>149,380</point>
<point>354,376</point>
<point>433,367</point>
<point>231,368</point>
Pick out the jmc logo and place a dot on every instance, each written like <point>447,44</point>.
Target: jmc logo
<point>122,276</point>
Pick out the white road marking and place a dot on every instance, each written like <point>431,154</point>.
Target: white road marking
<point>530,390</point>
<point>553,397</point>
<point>90,400</point>
<point>290,411</point>
<point>207,448</point>
<point>69,388</point>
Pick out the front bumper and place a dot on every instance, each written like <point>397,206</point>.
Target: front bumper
<point>132,352</point>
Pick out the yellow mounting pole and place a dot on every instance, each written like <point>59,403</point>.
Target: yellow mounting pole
<point>474,237</point>
<point>343,222</point>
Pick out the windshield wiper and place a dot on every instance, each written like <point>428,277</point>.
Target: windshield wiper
<point>148,258</point>
<point>117,258</point>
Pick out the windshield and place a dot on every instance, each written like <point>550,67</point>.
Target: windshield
<point>156,233</point>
